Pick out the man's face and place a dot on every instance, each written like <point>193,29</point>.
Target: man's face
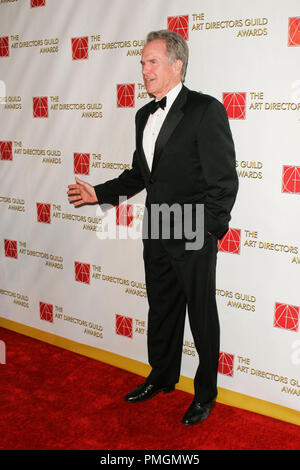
<point>159,76</point>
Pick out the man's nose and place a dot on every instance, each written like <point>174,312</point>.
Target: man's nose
<point>145,69</point>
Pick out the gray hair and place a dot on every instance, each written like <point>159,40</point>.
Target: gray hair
<point>177,47</point>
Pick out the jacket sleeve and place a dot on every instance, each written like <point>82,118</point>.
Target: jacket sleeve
<point>127,185</point>
<point>217,153</point>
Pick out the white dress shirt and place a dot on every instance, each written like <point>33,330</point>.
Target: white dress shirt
<point>154,124</point>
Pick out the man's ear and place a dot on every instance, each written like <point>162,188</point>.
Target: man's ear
<point>178,66</point>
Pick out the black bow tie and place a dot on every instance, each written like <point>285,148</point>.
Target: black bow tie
<point>158,104</point>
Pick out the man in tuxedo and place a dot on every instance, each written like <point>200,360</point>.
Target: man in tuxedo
<point>184,155</point>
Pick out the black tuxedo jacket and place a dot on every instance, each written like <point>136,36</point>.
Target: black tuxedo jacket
<point>194,161</point>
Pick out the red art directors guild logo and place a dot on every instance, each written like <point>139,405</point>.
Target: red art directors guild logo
<point>82,272</point>
<point>226,363</point>
<point>40,107</point>
<point>80,48</point>
<point>124,214</point>
<point>6,152</point>
<point>4,46</point>
<point>294,31</point>
<point>37,3</point>
<point>125,95</point>
<point>82,163</point>
<point>286,316</point>
<point>235,105</point>
<point>124,326</point>
<point>291,179</point>
<point>179,24</point>
<point>46,312</point>
<point>231,242</point>
<point>43,212</point>
<point>11,248</point>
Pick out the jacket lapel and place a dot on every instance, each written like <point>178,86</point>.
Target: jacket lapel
<point>141,123</point>
<point>173,118</point>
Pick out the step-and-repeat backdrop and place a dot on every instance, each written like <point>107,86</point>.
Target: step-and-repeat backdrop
<point>70,85</point>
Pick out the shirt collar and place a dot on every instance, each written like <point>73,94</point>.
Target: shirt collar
<point>172,95</point>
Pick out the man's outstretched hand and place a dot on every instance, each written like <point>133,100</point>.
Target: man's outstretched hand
<point>81,193</point>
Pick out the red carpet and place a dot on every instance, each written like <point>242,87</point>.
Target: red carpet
<point>54,399</point>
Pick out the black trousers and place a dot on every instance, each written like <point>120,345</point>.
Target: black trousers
<point>176,284</point>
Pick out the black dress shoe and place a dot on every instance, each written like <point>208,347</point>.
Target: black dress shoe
<point>146,391</point>
<point>197,413</point>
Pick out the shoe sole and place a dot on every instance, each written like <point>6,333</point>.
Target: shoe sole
<point>168,389</point>
<point>164,390</point>
<point>203,418</point>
